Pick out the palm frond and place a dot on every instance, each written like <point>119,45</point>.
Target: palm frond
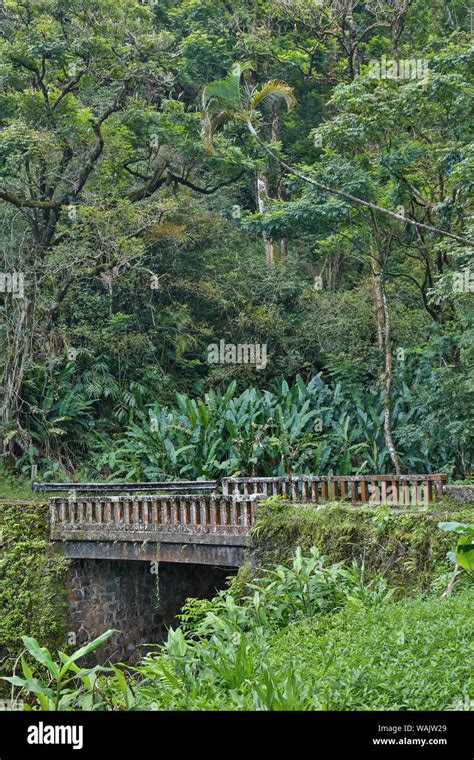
<point>226,94</point>
<point>274,90</point>
<point>226,100</point>
<point>222,95</point>
<point>212,122</point>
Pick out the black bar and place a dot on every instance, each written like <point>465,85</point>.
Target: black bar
<point>346,734</point>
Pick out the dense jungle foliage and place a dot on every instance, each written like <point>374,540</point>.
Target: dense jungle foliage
<point>305,635</point>
<point>141,205</point>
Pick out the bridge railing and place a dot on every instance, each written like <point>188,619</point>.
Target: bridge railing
<point>100,515</point>
<point>185,513</point>
<point>409,490</point>
<point>175,486</point>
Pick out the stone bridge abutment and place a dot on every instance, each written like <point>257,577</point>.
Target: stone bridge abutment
<point>140,599</point>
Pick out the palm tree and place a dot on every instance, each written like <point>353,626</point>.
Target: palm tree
<point>227,100</point>
<point>233,100</point>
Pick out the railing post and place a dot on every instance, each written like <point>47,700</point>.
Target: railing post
<point>406,492</point>
<point>395,491</point>
<point>193,517</point>
<point>428,492</point>
<point>354,492</point>
<point>439,487</point>
<point>416,492</point>
<point>364,491</point>
<point>203,511</point>
<point>52,513</point>
<point>324,489</point>
<point>213,511</point>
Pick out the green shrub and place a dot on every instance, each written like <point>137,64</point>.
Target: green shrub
<point>219,658</point>
<point>306,636</point>
<point>300,428</point>
<point>407,549</point>
<point>58,685</point>
<point>463,554</point>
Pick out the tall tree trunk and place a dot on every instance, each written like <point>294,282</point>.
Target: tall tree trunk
<point>262,197</point>
<point>280,194</point>
<point>387,378</point>
<point>17,355</point>
<point>353,47</point>
<point>451,13</point>
<point>396,29</point>
<point>378,304</point>
<point>384,340</point>
<point>283,241</point>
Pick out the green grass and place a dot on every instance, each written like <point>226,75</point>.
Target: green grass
<point>414,654</point>
<point>13,486</point>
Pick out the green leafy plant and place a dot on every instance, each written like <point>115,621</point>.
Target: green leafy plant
<point>405,655</point>
<point>463,554</point>
<point>300,428</point>
<point>65,683</point>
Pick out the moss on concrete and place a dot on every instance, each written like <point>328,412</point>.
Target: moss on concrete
<point>408,548</point>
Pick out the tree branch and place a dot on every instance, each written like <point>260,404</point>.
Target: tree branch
<point>27,202</point>
<point>354,199</point>
<point>204,190</point>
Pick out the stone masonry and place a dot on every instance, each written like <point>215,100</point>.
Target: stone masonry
<point>139,599</point>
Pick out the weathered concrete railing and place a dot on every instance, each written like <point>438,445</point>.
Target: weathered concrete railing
<point>150,486</point>
<point>207,529</point>
<point>234,510</point>
<point>358,489</point>
<point>104,515</point>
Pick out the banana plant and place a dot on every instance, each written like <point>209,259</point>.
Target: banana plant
<point>265,432</point>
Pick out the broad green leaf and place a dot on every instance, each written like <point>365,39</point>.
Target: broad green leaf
<point>41,654</point>
<point>87,648</point>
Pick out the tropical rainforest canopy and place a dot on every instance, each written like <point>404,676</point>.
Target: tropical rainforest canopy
<point>293,175</point>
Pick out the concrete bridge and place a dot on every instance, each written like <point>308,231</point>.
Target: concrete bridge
<point>212,528</point>
<point>137,555</point>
